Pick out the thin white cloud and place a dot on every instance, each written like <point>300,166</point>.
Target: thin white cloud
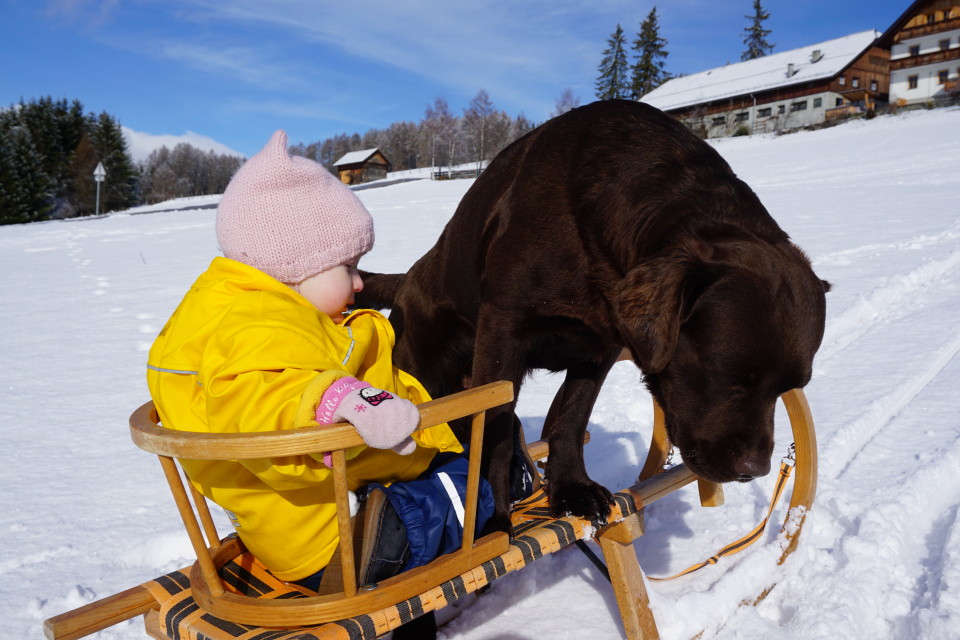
<point>141,144</point>
<point>306,53</point>
<point>291,109</point>
<point>243,63</point>
<point>91,9</point>
<point>506,48</point>
<point>256,66</point>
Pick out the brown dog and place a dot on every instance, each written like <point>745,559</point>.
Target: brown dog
<point>611,227</point>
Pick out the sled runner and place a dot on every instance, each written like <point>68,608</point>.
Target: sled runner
<point>227,594</point>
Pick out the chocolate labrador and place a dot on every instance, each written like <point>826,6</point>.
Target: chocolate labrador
<point>613,227</point>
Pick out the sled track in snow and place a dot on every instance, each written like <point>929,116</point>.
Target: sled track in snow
<point>895,540</point>
<point>930,584</point>
<point>886,302</point>
<point>923,241</point>
<point>848,442</point>
<point>893,543</point>
<point>882,303</point>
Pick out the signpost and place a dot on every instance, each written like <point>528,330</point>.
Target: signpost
<point>99,174</point>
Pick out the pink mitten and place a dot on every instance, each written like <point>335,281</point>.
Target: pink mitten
<point>383,420</point>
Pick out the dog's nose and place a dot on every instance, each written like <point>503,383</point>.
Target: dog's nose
<point>749,468</point>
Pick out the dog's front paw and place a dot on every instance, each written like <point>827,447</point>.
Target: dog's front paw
<point>589,501</point>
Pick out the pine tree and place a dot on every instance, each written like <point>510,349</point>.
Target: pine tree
<point>26,191</point>
<point>13,209</point>
<point>40,119</point>
<point>83,189</point>
<point>612,81</point>
<point>120,189</point>
<point>648,70</point>
<point>755,36</point>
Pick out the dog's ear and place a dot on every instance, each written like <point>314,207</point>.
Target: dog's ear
<point>653,300</point>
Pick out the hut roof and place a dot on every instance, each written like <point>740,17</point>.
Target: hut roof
<point>356,157</point>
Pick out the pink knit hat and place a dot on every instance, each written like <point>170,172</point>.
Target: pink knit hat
<point>289,217</point>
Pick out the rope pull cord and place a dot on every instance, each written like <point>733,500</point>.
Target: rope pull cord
<point>787,463</point>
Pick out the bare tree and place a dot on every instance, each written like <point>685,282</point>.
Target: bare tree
<point>476,122</point>
<point>185,171</point>
<point>565,102</point>
<point>440,128</point>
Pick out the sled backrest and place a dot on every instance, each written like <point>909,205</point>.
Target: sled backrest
<point>212,553</point>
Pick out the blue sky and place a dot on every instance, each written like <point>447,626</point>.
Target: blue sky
<point>233,71</point>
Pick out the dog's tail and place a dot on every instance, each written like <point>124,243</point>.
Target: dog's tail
<point>379,290</point>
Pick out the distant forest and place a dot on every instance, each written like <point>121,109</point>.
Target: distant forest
<point>50,148</point>
<point>440,139</point>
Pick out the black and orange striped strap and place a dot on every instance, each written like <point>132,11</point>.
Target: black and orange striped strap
<point>786,468</point>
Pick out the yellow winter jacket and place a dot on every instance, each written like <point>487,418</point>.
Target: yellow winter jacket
<point>244,352</point>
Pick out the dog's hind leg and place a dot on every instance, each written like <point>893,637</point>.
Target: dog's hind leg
<point>570,488</point>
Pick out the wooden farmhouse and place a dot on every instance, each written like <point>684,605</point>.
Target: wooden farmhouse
<point>362,166</point>
<point>781,91</point>
<point>924,48</point>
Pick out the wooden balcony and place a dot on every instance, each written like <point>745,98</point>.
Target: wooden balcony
<point>925,59</point>
<point>927,29</point>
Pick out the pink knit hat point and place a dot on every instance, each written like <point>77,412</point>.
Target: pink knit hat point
<point>289,217</point>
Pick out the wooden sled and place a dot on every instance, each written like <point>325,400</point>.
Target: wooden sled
<point>226,594</point>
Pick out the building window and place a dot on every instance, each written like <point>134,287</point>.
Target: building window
<point>743,116</point>
<point>781,109</point>
<point>843,80</point>
<point>719,121</point>
<point>839,102</point>
<point>911,82</point>
<point>766,112</point>
<point>799,106</point>
<point>873,85</point>
<point>817,103</point>
<point>856,83</point>
<point>915,50</point>
<point>945,44</point>
<point>942,76</point>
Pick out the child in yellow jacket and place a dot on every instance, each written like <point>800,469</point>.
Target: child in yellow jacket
<point>263,342</point>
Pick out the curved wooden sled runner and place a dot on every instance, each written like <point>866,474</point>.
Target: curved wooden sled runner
<point>226,594</point>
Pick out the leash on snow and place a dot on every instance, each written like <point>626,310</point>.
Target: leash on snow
<point>786,468</point>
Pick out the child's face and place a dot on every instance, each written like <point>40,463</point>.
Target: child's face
<point>332,291</point>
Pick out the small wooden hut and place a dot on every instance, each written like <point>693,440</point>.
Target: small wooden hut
<point>362,166</point>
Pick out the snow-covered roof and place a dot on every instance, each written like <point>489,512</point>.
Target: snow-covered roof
<point>761,74</point>
<point>356,156</point>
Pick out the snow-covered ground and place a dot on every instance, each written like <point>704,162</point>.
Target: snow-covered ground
<point>876,204</point>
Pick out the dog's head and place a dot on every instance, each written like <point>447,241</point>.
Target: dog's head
<point>720,331</point>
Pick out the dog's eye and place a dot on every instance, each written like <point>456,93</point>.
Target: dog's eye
<point>741,384</point>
